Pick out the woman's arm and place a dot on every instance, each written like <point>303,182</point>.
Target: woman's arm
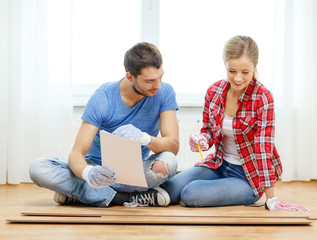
<point>269,192</point>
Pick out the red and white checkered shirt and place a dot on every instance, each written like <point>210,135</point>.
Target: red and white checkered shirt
<point>253,130</point>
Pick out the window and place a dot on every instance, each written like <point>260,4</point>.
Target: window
<point>88,39</point>
<point>190,34</point>
<point>102,31</point>
<point>193,33</point>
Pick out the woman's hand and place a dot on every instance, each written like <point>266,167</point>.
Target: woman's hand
<point>274,204</point>
<point>196,139</point>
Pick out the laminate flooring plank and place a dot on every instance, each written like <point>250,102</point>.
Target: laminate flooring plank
<point>162,220</point>
<point>30,198</point>
<point>169,211</point>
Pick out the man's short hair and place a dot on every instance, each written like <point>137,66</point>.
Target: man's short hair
<point>140,56</point>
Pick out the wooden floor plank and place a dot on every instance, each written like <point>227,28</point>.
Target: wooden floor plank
<point>162,220</point>
<point>15,199</point>
<point>233,211</point>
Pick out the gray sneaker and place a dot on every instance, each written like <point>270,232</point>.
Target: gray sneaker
<point>157,197</point>
<point>64,200</point>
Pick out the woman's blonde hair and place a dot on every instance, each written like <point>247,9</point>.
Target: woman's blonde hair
<point>239,46</point>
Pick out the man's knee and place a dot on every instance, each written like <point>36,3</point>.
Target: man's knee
<point>42,171</point>
<point>166,166</point>
<point>35,170</point>
<point>160,167</point>
<point>35,167</point>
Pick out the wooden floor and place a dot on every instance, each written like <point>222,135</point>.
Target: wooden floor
<point>15,199</point>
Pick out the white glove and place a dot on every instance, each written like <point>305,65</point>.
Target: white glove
<point>98,176</point>
<point>131,132</point>
<point>274,204</point>
<point>196,139</point>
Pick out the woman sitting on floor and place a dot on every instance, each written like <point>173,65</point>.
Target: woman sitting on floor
<point>238,119</point>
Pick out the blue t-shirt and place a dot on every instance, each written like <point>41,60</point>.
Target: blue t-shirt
<point>106,110</point>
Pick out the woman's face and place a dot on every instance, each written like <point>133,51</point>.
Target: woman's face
<point>240,72</point>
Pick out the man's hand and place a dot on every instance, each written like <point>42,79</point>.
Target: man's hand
<point>196,139</point>
<point>131,132</point>
<point>98,176</point>
<point>274,204</point>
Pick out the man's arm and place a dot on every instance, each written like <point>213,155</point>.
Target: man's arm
<point>169,140</point>
<point>84,139</point>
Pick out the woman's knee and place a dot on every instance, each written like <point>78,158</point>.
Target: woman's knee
<point>200,193</point>
<point>197,194</point>
<point>189,196</point>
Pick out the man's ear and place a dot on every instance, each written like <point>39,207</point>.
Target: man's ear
<point>129,76</point>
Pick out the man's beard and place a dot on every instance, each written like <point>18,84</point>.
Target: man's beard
<point>138,91</point>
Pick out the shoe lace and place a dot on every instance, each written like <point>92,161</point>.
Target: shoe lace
<point>141,200</point>
<point>71,199</point>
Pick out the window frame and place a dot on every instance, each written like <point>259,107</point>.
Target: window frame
<point>150,32</point>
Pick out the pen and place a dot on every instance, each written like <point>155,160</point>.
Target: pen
<point>201,155</point>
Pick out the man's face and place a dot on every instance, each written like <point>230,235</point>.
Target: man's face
<point>148,82</point>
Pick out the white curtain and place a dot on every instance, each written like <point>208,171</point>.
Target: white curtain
<point>295,88</point>
<point>36,99</point>
<point>36,110</point>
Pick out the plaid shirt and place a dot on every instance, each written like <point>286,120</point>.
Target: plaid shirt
<point>253,130</point>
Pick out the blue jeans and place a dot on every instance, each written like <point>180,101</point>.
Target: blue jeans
<point>55,174</point>
<point>205,187</point>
